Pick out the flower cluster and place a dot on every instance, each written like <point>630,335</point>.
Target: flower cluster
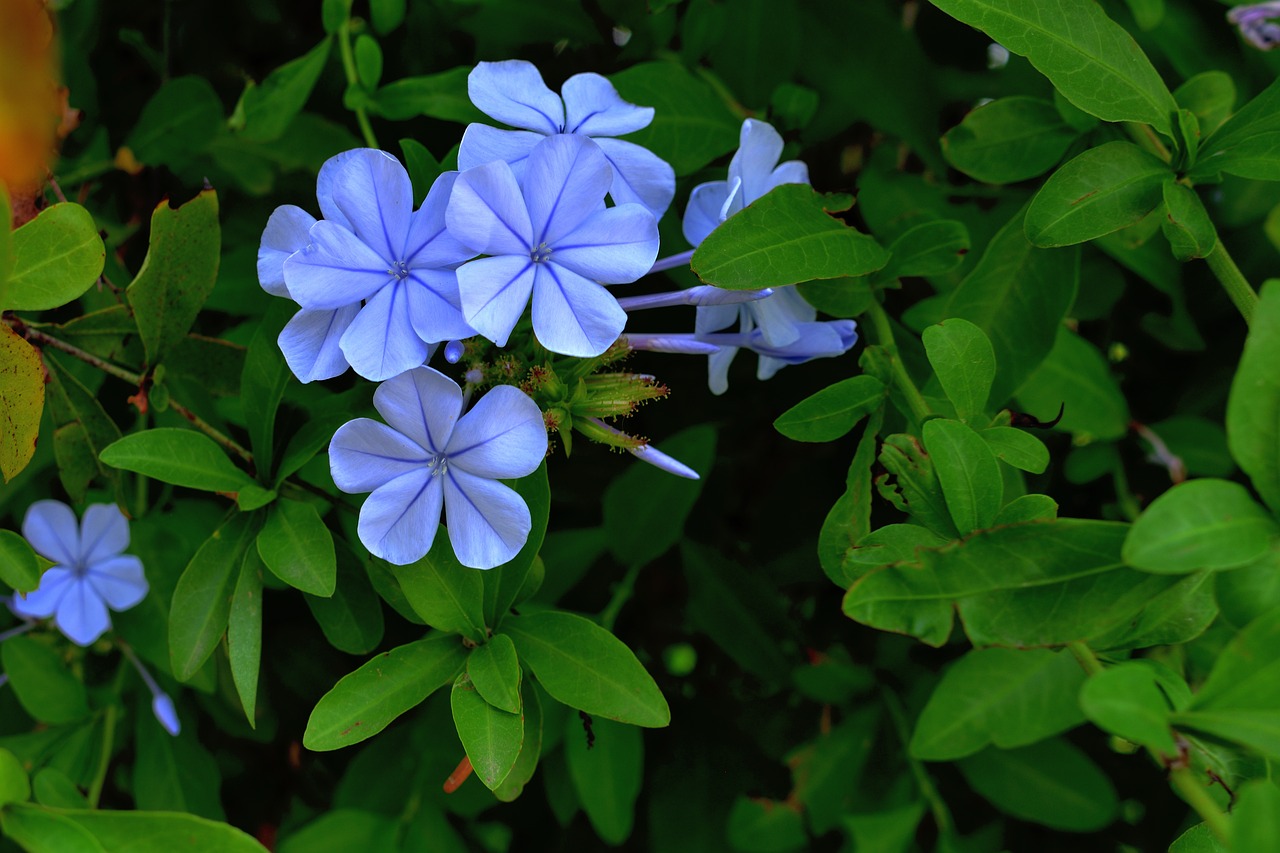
<point>539,222</point>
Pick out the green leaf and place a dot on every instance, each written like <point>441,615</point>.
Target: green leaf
<point>269,106</point>
<point>422,166</point>
<point>297,547</point>
<point>691,124</point>
<point>893,543</point>
<point>45,688</point>
<point>967,471</point>
<point>844,297</point>
<point>202,598</point>
<point>180,456</point>
<point>1199,524</point>
<point>915,489</point>
<point>344,829</point>
<point>1005,697</point>
<point>1076,378</point>
<point>758,825</point>
<point>178,273</point>
<point>19,566</point>
<point>386,14</point>
<point>6,247</point>
<point>606,768</point>
<point>1253,409</point>
<point>21,402</point>
<point>1210,96</point>
<point>1020,449</point>
<point>1027,508</point>
<point>495,673</point>
<point>824,771</point>
<point>491,737</point>
<point>965,363</point>
<point>928,249</point>
<point>1246,593</point>
<point>262,384</point>
<point>785,237</point>
<point>82,430</point>
<point>1186,223</point>
<point>365,702</point>
<point>1051,783</point>
<point>368,61</point>
<point>442,96</point>
<point>1100,191</point>
<point>530,750</point>
<point>1088,57</point>
<point>849,518</point>
<point>891,830</point>
<point>1009,140</point>
<point>174,773</point>
<point>833,411</point>
<point>177,123</point>
<point>502,585</point>
<point>1198,839</point>
<point>54,788</point>
<point>446,594</point>
<point>1247,144</point>
<point>15,787</point>
<point>586,667</point>
<point>56,257</point>
<point>40,830</point>
<point>351,618</point>
<point>156,832</point>
<point>1127,701</point>
<point>1255,820</point>
<point>244,633</point>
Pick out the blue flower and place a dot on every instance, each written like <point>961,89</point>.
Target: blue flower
<point>371,247</point>
<point>513,92</point>
<point>552,236</point>
<point>89,574</point>
<point>429,458</point>
<point>824,339</point>
<point>1256,26</point>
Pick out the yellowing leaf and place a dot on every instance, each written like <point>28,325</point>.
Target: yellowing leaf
<point>21,402</point>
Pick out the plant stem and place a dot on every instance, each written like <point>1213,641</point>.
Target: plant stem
<point>1233,281</point>
<point>1197,796</point>
<point>212,431</point>
<point>883,332</point>
<point>353,79</point>
<point>110,716</point>
<point>1084,655</point>
<point>941,814</point>
<point>621,595</point>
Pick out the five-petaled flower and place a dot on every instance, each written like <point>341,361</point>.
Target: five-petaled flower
<point>432,456</point>
<point>550,235</point>
<point>513,92</point>
<point>90,572</point>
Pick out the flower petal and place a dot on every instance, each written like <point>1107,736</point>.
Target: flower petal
<point>119,581</point>
<point>487,213</point>
<point>513,93</point>
<point>494,293</point>
<point>104,533</point>
<point>573,315</point>
<point>380,342</point>
<point>310,342</point>
<point>430,245</point>
<point>43,601</point>
<point>423,404</point>
<point>718,369</point>
<point>365,455</point>
<point>286,232</point>
<point>713,318</point>
<point>335,269</point>
<point>503,436</point>
<point>398,521</point>
<point>333,168</point>
<point>639,175</point>
<point>779,317</point>
<point>484,144</point>
<point>488,522</point>
<point>703,213</point>
<point>613,246</point>
<point>565,182</point>
<point>82,616</point>
<point>594,108</point>
<point>759,148</point>
<point>435,306</point>
<point>790,172</point>
<point>375,196</point>
<point>51,528</point>
<point>165,713</point>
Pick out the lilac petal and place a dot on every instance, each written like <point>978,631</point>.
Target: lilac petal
<point>680,343</point>
<point>488,522</point>
<point>375,195</point>
<point>594,108</point>
<point>398,521</point>
<point>311,342</point>
<point>380,342</point>
<point>333,168</point>
<point>713,318</point>
<point>487,213</point>
<point>82,616</point>
<point>780,316</point>
<point>790,172</point>
<point>654,456</point>
<point>703,213</point>
<point>104,533</point>
<point>614,246</point>
<point>639,175</point>
<point>718,369</point>
<point>513,93</point>
<point>435,306</point>
<point>165,713</point>
<point>43,601</point>
<point>423,404</point>
<point>286,232</point>
<point>573,315</point>
<point>483,144</point>
<point>503,436</point>
<point>815,340</point>
<point>494,294</point>
<point>564,182</point>
<point>335,270</point>
<point>767,366</point>
<point>365,455</point>
<point>52,530</point>
<point>430,245</point>
<point>759,148</point>
<point>120,581</point>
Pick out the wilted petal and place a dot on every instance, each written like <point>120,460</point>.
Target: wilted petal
<point>422,403</point>
<point>718,369</point>
<point>398,521</point>
<point>335,270</point>
<point>494,293</point>
<point>484,144</point>
<point>380,342</point>
<point>488,522</point>
<point>119,581</point>
<point>759,148</point>
<point>564,182</point>
<point>513,93</point>
<point>435,306</point>
<point>311,342</point>
<point>594,108</point>
<point>573,315</point>
<point>503,436</point>
<point>104,532</point>
<point>614,246</point>
<point>703,213</point>
<point>365,455</point>
<point>780,317</point>
<point>286,232</point>
<point>430,245</point>
<point>375,195</point>
<point>82,615</point>
<point>43,601</point>
<point>487,213</point>
<point>639,175</point>
<point>52,530</point>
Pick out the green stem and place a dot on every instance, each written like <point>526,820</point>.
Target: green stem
<point>1197,796</point>
<point>1233,281</point>
<point>110,717</point>
<point>1146,137</point>
<point>883,333</point>
<point>621,595</point>
<point>353,79</point>
<point>937,806</point>
<point>1084,655</point>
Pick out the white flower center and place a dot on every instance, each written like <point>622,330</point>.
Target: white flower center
<point>439,466</point>
<point>540,254</point>
<point>399,270</point>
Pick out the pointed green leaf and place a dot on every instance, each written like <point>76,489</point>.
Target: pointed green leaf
<point>446,594</point>
<point>15,787</point>
<point>1051,783</point>
<point>1127,701</point>
<point>606,767</point>
<point>495,673</point>
<point>849,518</point>
<point>183,457</point>
<point>1199,524</point>
<point>56,257</point>
<point>76,411</point>
<point>691,124</point>
<point>244,633</point>
<point>1020,449</point>
<point>491,737</point>
<point>45,688</point>
<point>269,106</point>
<point>202,598</point>
<point>178,122</point>
<point>928,249</point>
<point>962,357</point>
<point>833,411</point>
<point>19,566</point>
<point>351,617</point>
<point>297,547</point>
<point>1077,378</point>
<point>967,471</point>
<point>262,384</point>
<point>1253,409</point>
<point>530,750</point>
<point>502,585</point>
<point>1186,223</point>
<point>1009,140</point>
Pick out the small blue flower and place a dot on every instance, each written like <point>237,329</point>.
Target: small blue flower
<point>552,236</point>
<point>430,457</point>
<point>824,339</point>
<point>1256,24</point>
<point>90,572</point>
<point>514,93</point>
<point>776,321</point>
